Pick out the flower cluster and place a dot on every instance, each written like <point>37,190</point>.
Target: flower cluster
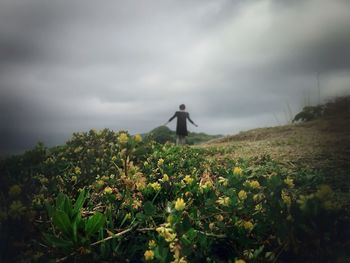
<point>180,204</point>
<point>223,200</point>
<point>237,171</point>
<point>123,138</point>
<point>166,232</point>
<point>242,195</point>
<point>155,186</point>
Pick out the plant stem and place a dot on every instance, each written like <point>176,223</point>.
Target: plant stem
<point>113,236</point>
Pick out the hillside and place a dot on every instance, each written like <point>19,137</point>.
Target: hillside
<point>322,144</point>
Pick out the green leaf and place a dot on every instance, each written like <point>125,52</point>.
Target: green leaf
<point>258,251</point>
<point>140,216</point>
<point>74,228</point>
<point>60,201</point>
<point>94,223</point>
<point>62,222</point>
<point>57,242</point>
<point>161,254</point>
<point>80,201</point>
<point>184,240</point>
<point>63,203</point>
<point>191,234</point>
<point>50,209</point>
<point>186,224</point>
<point>149,208</point>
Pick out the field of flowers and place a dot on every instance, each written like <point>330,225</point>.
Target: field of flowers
<point>110,197</point>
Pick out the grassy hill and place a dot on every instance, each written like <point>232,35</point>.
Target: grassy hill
<point>321,144</point>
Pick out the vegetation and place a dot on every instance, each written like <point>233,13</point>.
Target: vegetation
<point>334,108</point>
<point>163,134</point>
<point>113,197</point>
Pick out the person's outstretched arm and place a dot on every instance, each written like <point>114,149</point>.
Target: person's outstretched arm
<point>170,119</point>
<point>191,121</point>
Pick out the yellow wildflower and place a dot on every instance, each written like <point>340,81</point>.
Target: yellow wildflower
<point>165,178</point>
<point>205,185</point>
<point>239,261</point>
<point>136,204</point>
<point>152,244</point>
<point>77,170</point>
<point>123,138</point>
<point>302,201</point>
<point>259,207</point>
<point>149,255</point>
<point>100,182</point>
<point>108,190</point>
<point>105,178</point>
<point>175,248</point>
<point>237,171</point>
<point>286,198</point>
<point>220,218</point>
<point>138,138</point>
<point>170,219</point>
<point>44,180</point>
<point>223,181</point>
<point>140,181</point>
<point>254,184</point>
<point>167,233</point>
<point>211,226</point>
<point>114,158</point>
<point>249,253</point>
<point>289,182</point>
<point>180,204</point>
<point>242,195</point>
<point>180,260</point>
<point>248,225</point>
<point>156,186</point>
<point>224,201</point>
<point>78,149</point>
<point>206,181</point>
<point>258,197</point>
<point>160,162</point>
<point>188,179</point>
<point>74,179</point>
<point>128,216</point>
<point>188,194</point>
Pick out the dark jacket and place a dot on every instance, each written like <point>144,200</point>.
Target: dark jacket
<point>181,127</point>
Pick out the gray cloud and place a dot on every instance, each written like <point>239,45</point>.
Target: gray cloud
<point>69,66</point>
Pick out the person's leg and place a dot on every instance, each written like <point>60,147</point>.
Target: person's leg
<point>180,140</point>
<point>183,140</point>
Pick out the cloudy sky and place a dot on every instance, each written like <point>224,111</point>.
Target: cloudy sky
<point>68,66</point>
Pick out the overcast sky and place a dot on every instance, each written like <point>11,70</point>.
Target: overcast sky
<point>68,66</point>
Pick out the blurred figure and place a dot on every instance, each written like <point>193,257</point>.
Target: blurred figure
<point>181,127</point>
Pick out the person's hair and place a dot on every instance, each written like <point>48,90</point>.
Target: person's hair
<point>182,107</point>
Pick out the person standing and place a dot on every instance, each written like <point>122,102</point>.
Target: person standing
<point>181,126</point>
